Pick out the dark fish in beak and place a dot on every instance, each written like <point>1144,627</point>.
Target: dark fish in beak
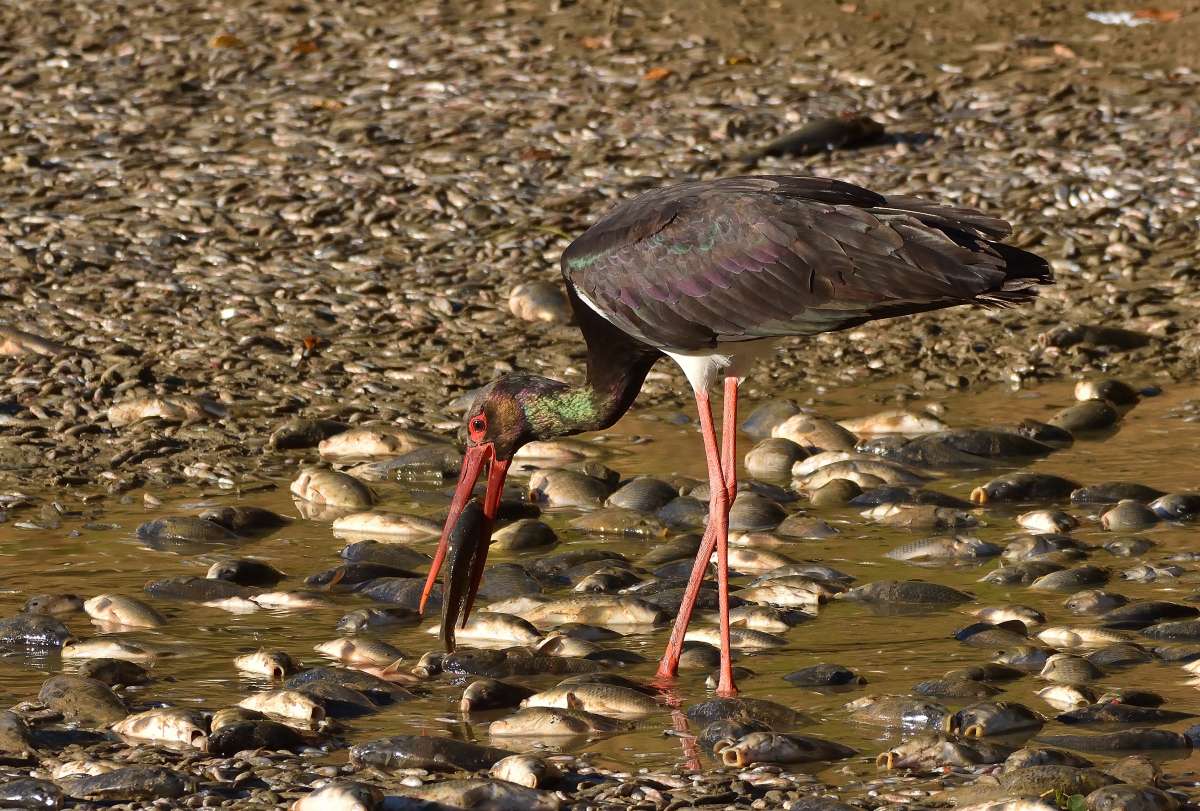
<point>465,553</point>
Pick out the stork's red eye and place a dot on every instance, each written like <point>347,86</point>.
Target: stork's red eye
<point>478,427</point>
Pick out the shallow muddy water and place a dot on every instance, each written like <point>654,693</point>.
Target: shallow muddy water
<point>95,551</point>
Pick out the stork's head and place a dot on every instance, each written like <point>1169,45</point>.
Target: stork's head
<point>507,413</point>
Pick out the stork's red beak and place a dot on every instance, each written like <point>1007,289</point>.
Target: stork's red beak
<point>473,461</point>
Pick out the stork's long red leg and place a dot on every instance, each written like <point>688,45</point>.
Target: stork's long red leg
<point>721,487</point>
<point>725,685</point>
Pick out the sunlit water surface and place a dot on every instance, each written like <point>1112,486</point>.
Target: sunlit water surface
<point>1156,445</point>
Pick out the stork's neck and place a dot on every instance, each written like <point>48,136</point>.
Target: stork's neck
<point>612,384</point>
<point>617,365</point>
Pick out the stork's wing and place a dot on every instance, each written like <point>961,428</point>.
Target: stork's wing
<point>683,267</point>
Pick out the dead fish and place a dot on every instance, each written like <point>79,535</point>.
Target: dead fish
<point>773,458</point>
<point>619,521</point>
<point>180,407</point>
<point>1094,601</point>
<point>1122,714</point>
<point>1071,578</point>
<point>824,675</point>
<point>773,747</point>
<point>274,664</point>
<point>995,718</point>
<point>1026,657</point>
<point>1041,545</point>
<point>495,630</point>
<point>954,688</point>
<point>82,700</point>
<point>783,595</point>
<point>540,300</point>
<point>285,703</point>
<point>425,752</point>
<point>242,518</point>
<point>1024,487</point>
<point>864,473</point>
<point>1112,492</point>
<point>922,517</point>
<point>362,619</point>
<point>1069,669</point>
<point>139,651</point>
<point>1048,521</point>
<point>1021,574</point>
<point>959,547</point>
<point>1153,573</point>
<point>290,600</point>
<point>333,489</point>
<point>607,611</point>
<point>602,699</point>
<point>935,750</point>
<point>740,639</point>
<point>168,724</point>
<point>245,572</point>
<point>527,770</point>
<point>120,610</point>
<point>53,605</point>
<point>815,434</point>
<point>1123,740</point>
<point>909,423</point>
<point>490,694</point>
<point>186,529</point>
<point>845,131</point>
<point>915,592</point>
<point>527,533</point>
<point>1129,514</point>
<point>1130,547</point>
<point>775,715</point>
<point>567,488</point>
<point>1065,697</point>
<point>1117,392</point>
<point>1177,507</point>
<point>568,647</point>
<point>360,650</point>
<point>340,795</point>
<point>899,711</point>
<point>383,524</point>
<point>1081,636</point>
<point>115,672</point>
<point>546,722</point>
<point>374,442</point>
<point>1065,335</point>
<point>1130,798</point>
<point>996,614</point>
<point>133,783</point>
<point>466,551</point>
<point>765,618</point>
<point>482,795</point>
<point>1089,415</point>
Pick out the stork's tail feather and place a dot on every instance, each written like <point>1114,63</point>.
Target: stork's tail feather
<point>1023,272</point>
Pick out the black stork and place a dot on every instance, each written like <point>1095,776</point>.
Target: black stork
<point>714,274</point>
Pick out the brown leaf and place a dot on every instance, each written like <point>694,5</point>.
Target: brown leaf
<point>1063,51</point>
<point>311,342</point>
<point>225,41</point>
<point>875,17</point>
<point>1156,14</point>
<point>592,43</point>
<point>304,46</point>
<point>535,154</point>
<point>656,74</point>
<point>328,104</point>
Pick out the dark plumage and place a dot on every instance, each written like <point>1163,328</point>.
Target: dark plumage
<point>686,267</point>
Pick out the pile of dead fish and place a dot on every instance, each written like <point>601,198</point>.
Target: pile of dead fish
<point>551,659</point>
